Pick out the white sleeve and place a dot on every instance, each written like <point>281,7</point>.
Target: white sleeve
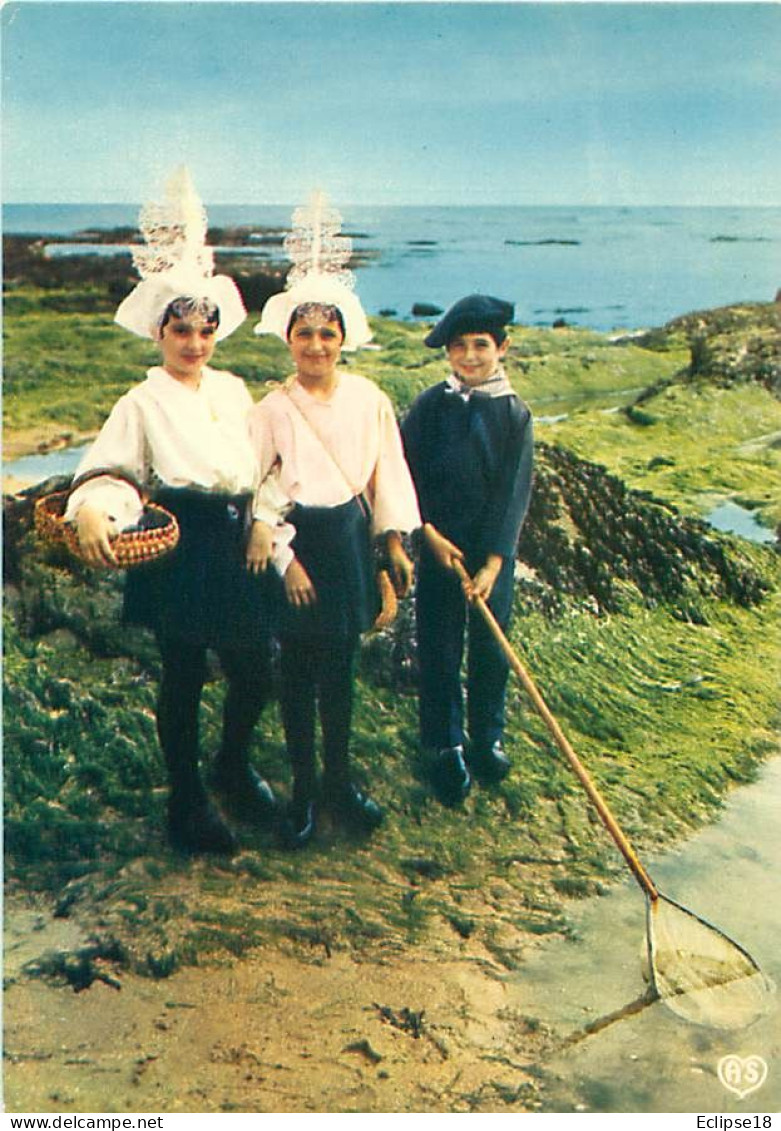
<point>119,444</point>
<point>271,504</point>
<point>394,501</point>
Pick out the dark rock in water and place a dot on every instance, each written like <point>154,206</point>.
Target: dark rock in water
<point>559,324</point>
<point>388,313</point>
<point>425,310</point>
<point>97,283</point>
<point>543,243</point>
<point>739,239</point>
<point>257,287</point>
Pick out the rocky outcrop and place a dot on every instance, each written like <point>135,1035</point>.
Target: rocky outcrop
<point>729,345</point>
<point>592,544</point>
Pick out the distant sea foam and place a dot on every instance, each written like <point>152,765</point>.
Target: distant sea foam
<point>607,268</point>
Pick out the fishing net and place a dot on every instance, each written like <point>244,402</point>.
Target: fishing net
<point>699,973</point>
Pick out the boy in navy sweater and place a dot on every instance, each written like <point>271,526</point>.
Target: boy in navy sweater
<point>468,442</point>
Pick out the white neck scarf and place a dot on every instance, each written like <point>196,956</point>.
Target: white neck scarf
<point>497,385</point>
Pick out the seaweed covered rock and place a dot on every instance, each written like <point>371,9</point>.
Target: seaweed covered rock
<point>589,536</point>
<point>591,542</point>
<point>96,283</point>
<point>85,783</point>
<point>729,345</point>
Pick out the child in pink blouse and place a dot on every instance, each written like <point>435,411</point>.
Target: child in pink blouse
<point>334,439</point>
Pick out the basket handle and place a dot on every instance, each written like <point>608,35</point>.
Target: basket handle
<point>111,473</point>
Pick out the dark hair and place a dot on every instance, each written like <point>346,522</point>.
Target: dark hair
<point>330,312</point>
<point>185,306</point>
<point>499,335</point>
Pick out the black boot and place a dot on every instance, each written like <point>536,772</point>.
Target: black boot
<point>489,764</point>
<point>450,777</point>
<point>354,809</point>
<point>245,794</point>
<point>195,826</point>
<point>298,825</point>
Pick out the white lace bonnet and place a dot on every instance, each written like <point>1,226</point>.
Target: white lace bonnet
<point>319,254</point>
<point>175,262</point>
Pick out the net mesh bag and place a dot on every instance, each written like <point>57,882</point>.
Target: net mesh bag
<point>699,973</point>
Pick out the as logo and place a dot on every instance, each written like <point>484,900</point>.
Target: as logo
<point>742,1076</point>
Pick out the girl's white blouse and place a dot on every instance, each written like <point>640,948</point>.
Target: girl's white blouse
<point>163,431</point>
<point>358,425</point>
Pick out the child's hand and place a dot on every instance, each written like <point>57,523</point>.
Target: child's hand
<point>299,590</point>
<point>402,569</point>
<point>95,530</point>
<point>484,580</point>
<point>443,550</point>
<point>259,546</point>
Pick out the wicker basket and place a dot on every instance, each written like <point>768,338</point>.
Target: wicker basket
<point>156,534</point>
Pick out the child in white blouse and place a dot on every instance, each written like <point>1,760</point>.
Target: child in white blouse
<point>182,436</point>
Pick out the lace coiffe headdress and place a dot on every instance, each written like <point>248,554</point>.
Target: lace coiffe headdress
<point>319,275</point>
<point>176,262</point>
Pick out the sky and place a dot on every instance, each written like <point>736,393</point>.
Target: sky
<point>393,103</point>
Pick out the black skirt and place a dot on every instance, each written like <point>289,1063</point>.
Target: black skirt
<point>202,592</point>
<point>334,546</point>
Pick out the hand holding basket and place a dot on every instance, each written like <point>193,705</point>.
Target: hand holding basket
<point>156,533</point>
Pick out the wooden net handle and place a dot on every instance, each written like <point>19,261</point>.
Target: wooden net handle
<point>608,820</point>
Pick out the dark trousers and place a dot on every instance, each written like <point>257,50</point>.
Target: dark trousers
<point>248,674</point>
<point>442,618</point>
<point>317,673</point>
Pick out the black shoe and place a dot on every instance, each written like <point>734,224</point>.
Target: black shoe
<point>247,796</point>
<point>195,826</point>
<point>490,766</point>
<point>355,809</point>
<point>298,826</point>
<point>450,777</point>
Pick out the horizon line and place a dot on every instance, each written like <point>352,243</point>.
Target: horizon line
<point>400,204</point>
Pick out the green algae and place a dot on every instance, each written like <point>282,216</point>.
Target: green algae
<point>696,443</point>
<point>664,675</point>
<point>68,368</point>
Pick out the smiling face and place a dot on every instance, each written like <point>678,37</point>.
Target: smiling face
<point>475,357</point>
<point>187,344</point>
<point>315,343</point>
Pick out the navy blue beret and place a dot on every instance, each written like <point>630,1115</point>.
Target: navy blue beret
<point>475,314</point>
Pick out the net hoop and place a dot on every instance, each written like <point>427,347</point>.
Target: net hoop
<point>701,974</point>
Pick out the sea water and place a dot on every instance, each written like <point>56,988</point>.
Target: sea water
<point>613,268</point>
<point>585,991</point>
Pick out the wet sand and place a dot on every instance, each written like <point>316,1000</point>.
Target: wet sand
<point>437,1027</point>
<point>271,1033</point>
